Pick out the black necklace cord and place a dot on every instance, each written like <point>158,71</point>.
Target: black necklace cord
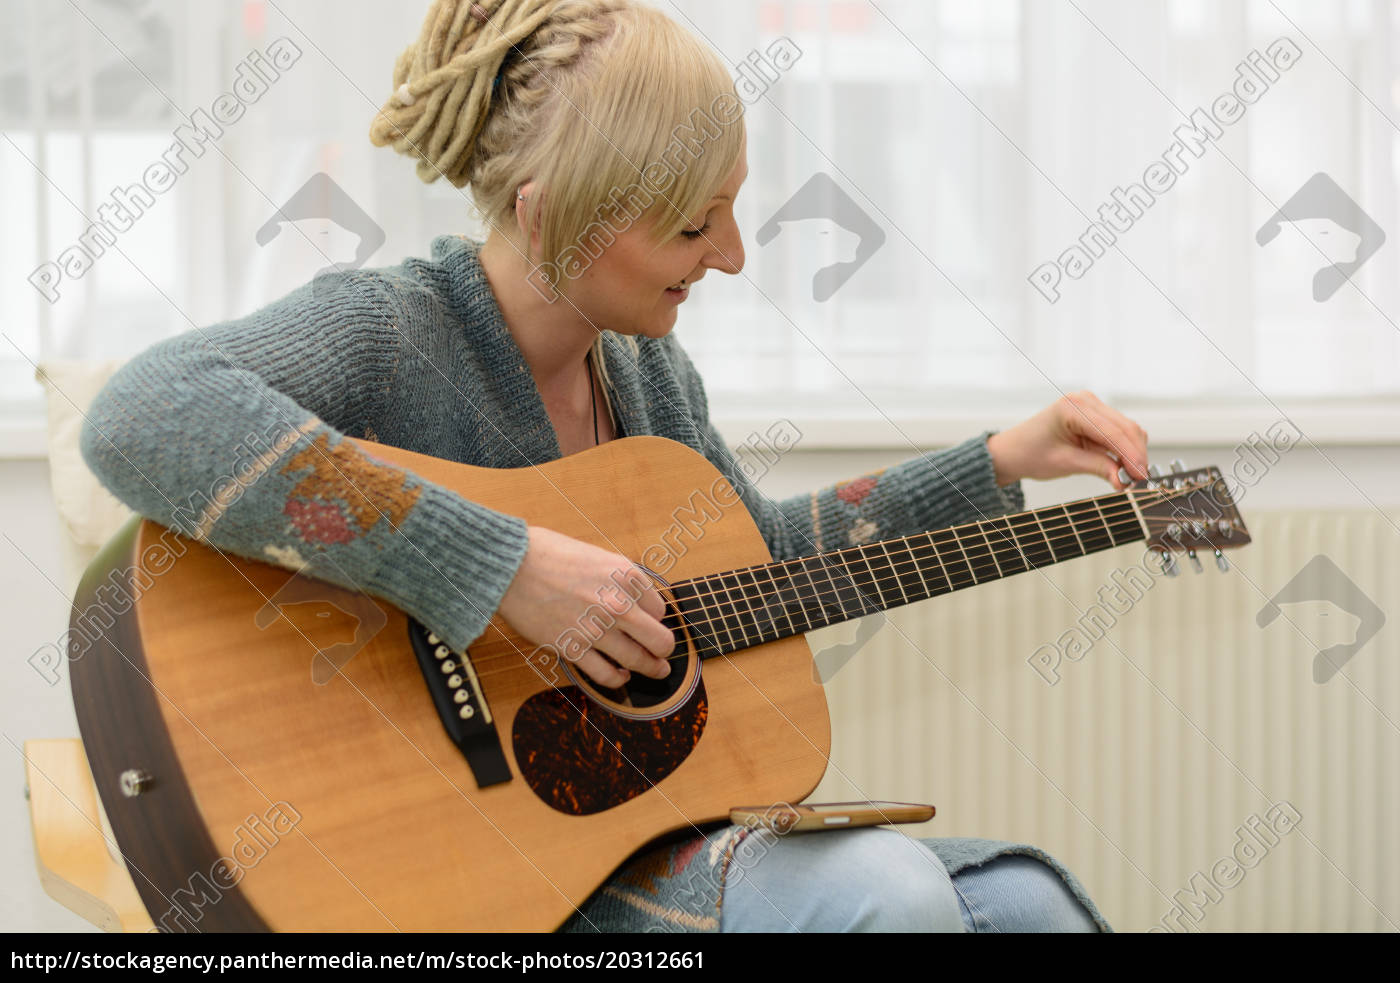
<point>593,398</point>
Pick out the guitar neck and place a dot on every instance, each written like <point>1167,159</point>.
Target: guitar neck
<point>741,608</point>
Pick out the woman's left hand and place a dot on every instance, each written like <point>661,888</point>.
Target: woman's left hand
<point>1077,434</point>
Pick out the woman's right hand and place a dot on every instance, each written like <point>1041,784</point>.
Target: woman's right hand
<point>560,579</point>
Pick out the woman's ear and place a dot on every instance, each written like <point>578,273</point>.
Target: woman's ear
<point>524,203</point>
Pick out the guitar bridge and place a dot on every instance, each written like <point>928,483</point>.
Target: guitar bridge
<point>461,705</point>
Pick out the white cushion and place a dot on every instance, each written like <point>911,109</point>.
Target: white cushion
<point>89,511</point>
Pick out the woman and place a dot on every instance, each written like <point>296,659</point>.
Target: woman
<point>608,200</point>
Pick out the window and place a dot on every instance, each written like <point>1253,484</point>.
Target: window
<point>977,141</point>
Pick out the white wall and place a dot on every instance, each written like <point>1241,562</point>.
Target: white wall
<point>34,610</point>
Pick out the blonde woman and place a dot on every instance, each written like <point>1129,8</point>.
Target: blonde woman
<point>608,201</point>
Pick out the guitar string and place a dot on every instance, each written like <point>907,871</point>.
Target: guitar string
<point>975,565</point>
<point>1120,514</point>
<point>875,583</point>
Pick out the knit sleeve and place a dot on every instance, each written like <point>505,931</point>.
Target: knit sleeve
<point>931,491</point>
<point>234,435</point>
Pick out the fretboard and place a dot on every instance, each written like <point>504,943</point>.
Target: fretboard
<point>741,608</point>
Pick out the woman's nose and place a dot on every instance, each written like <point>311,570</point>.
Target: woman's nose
<point>727,256</point>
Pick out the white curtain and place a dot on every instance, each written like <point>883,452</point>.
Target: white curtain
<point>973,141</point>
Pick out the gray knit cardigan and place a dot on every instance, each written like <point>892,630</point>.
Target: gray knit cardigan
<point>232,433</point>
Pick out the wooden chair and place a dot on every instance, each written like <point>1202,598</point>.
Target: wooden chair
<point>70,846</point>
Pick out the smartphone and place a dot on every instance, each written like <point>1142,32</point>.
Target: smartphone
<point>783,818</point>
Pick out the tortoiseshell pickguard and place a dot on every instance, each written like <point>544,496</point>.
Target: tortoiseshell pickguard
<point>581,759</point>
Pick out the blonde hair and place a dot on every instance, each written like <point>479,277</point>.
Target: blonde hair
<point>591,94</point>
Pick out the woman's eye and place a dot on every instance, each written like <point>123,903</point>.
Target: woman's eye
<point>696,233</point>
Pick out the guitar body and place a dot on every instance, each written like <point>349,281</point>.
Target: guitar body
<point>258,724</point>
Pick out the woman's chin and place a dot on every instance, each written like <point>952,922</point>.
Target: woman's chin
<point>660,327</point>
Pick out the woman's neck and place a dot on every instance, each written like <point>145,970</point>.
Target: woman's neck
<point>553,337</point>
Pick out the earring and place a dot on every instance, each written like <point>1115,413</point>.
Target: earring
<point>519,196</point>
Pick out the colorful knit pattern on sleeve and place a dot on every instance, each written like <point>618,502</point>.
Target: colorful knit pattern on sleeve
<point>234,435</point>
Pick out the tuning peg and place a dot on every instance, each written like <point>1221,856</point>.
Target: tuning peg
<point>1178,465</point>
<point>1169,564</point>
<point>1195,563</point>
<point>1221,562</point>
<point>1153,471</point>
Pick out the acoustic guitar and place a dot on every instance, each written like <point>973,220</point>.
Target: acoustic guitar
<point>277,753</point>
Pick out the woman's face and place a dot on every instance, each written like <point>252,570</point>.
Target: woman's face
<point>635,286</point>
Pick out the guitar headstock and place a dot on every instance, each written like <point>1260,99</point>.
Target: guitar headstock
<point>1188,510</point>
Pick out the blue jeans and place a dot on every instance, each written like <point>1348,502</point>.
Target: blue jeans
<point>879,880</point>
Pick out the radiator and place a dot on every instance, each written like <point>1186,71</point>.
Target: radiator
<point>1182,761</point>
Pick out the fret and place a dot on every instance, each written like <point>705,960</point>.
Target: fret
<point>839,587</point>
<point>943,547</point>
<point>1074,526</point>
<point>1045,536</point>
<point>991,550</point>
<point>782,601</point>
<point>758,607</point>
<point>842,586</point>
<point>924,589</point>
<point>693,603</point>
<point>1039,560</point>
<point>921,551</point>
<point>879,604</point>
<point>1065,550</point>
<point>904,598</point>
<point>967,557</point>
<point>1016,561</point>
<point>728,613</point>
<point>1102,518</point>
<point>865,586</point>
<point>807,597</point>
<point>791,596</point>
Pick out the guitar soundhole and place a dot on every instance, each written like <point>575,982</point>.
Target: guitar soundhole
<point>581,758</point>
<point>640,692</point>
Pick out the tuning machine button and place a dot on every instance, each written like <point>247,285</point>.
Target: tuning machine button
<point>1195,563</point>
<point>1153,471</point>
<point>1169,564</point>
<point>1221,562</point>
